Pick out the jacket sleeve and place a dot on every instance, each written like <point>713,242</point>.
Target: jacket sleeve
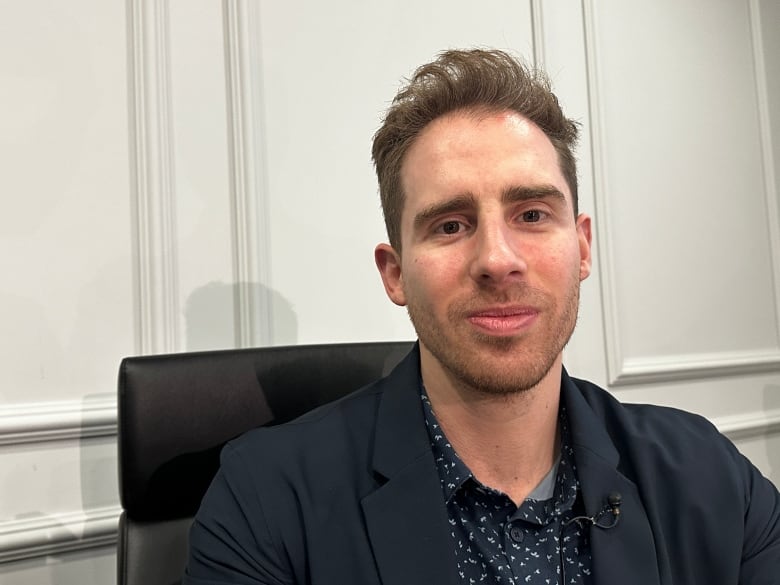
<point>230,540</point>
<point>761,547</point>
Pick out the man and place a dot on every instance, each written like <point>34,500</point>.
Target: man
<point>479,460</point>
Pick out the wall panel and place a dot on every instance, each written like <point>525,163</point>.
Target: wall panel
<point>204,226</point>
<point>686,247</point>
<point>65,293</point>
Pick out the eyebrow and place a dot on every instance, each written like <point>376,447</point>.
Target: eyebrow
<point>454,205</point>
<point>517,194</point>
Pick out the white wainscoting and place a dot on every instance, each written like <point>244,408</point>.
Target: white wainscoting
<point>57,534</point>
<point>71,425</point>
<point>22,424</point>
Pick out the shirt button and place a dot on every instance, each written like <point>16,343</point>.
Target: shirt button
<point>516,533</point>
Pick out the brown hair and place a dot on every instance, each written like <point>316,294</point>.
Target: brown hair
<point>480,80</point>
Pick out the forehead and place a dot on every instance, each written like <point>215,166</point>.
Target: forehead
<point>480,153</point>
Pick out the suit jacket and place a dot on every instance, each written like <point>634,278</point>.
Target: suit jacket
<point>349,494</point>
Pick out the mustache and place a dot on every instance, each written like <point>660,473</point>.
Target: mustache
<point>521,295</point>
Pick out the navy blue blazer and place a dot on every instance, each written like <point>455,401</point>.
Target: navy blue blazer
<point>349,494</point>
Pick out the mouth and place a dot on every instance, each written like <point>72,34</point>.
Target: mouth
<point>503,320</point>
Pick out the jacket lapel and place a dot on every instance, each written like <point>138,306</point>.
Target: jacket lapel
<point>625,553</point>
<point>406,516</point>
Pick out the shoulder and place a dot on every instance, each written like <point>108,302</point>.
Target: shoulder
<point>655,442</point>
<point>662,425</point>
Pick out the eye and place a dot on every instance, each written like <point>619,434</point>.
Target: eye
<point>533,215</point>
<point>450,227</point>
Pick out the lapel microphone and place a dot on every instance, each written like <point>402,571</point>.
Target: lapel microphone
<point>612,507</point>
<point>614,499</point>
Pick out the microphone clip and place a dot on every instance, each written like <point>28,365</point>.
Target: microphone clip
<point>614,500</point>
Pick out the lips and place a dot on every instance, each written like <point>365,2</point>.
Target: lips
<point>503,320</point>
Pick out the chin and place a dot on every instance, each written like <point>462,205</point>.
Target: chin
<point>499,367</point>
<point>502,382</point>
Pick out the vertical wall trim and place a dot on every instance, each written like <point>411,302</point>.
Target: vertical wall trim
<point>537,32</point>
<point>767,151</point>
<point>251,256</point>
<point>600,189</point>
<point>153,188</point>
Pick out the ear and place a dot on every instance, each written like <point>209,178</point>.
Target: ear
<point>388,261</point>
<point>584,237</point>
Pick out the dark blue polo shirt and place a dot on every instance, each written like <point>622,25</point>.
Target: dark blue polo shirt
<point>495,541</point>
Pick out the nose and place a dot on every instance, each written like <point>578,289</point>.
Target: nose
<point>498,254</point>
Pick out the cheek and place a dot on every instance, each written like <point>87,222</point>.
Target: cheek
<point>561,260</point>
<point>429,278</point>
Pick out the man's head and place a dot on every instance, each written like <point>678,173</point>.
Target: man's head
<point>488,249</point>
<point>474,80</point>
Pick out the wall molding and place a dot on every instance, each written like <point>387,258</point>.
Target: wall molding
<point>748,426</point>
<point>153,178</point>
<point>600,187</point>
<point>57,421</point>
<point>684,367</point>
<point>537,32</point>
<point>30,538</point>
<point>251,260</point>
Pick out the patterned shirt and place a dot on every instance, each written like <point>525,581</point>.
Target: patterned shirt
<point>497,542</point>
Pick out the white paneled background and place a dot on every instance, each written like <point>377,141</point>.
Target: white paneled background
<point>192,174</point>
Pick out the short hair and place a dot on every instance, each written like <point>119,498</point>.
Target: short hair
<point>488,81</point>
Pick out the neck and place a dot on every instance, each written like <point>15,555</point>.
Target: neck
<point>508,441</point>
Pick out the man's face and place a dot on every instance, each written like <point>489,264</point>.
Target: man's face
<point>492,256</point>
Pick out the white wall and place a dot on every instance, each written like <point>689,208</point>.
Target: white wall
<point>190,174</point>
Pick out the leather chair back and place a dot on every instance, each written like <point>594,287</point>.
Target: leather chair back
<point>176,412</point>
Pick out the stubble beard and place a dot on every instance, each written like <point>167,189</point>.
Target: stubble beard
<point>494,365</point>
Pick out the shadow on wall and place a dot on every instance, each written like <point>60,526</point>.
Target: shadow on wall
<point>772,405</point>
<point>212,322</point>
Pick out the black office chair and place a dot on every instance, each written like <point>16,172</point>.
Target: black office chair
<point>176,412</point>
